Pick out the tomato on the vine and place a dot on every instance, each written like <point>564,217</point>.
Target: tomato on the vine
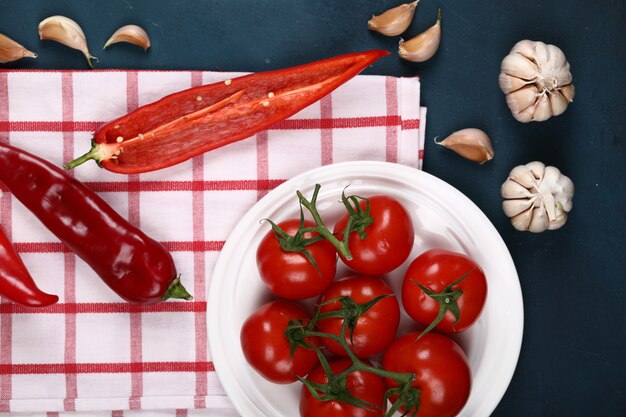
<point>444,287</point>
<point>266,347</point>
<point>441,369</point>
<point>387,241</point>
<point>376,325</point>
<point>290,274</point>
<point>360,384</point>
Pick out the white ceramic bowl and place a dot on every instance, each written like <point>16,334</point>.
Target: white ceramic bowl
<point>443,218</point>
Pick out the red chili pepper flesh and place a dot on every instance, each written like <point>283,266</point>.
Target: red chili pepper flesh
<point>16,283</point>
<point>138,268</point>
<point>190,122</point>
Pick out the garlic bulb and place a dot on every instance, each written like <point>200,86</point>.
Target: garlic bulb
<point>12,51</point>
<point>422,47</point>
<point>394,21</point>
<point>131,34</point>
<point>66,31</point>
<point>537,197</point>
<point>537,81</point>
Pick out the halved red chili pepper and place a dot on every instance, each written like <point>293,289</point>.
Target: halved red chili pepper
<point>138,268</point>
<point>16,283</point>
<point>193,121</point>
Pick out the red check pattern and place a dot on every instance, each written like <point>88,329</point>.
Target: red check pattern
<point>94,353</point>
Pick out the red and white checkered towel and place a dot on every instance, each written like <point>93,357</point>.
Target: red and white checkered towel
<point>94,352</point>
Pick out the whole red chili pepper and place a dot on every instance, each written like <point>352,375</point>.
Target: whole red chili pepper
<point>135,266</point>
<point>16,284</point>
<point>193,121</point>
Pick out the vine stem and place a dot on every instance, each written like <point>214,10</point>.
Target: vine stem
<point>321,227</point>
<point>401,378</point>
<point>407,395</point>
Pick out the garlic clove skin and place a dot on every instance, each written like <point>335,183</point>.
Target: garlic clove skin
<point>537,197</point>
<point>67,32</point>
<point>131,34</point>
<point>394,21</point>
<point>545,68</point>
<point>470,143</point>
<point>422,47</point>
<point>12,51</point>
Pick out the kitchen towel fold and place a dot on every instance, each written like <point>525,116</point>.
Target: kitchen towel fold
<point>94,352</point>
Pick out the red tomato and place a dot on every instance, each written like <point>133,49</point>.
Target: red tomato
<point>290,274</point>
<point>364,385</point>
<point>436,269</point>
<point>441,368</point>
<point>389,238</point>
<point>266,347</point>
<point>375,329</point>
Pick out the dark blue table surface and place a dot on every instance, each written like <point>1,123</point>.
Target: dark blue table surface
<point>572,361</point>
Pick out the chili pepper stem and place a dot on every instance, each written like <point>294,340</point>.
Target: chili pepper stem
<point>98,152</point>
<point>177,290</point>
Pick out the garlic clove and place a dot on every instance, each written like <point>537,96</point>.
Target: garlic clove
<point>563,201</point>
<point>509,84</point>
<point>522,99</point>
<point>131,34</point>
<point>516,206</point>
<point>557,57</point>
<point>522,175</point>
<point>542,53</point>
<point>537,168</point>
<point>568,92</point>
<point>422,47</point>
<point>510,189</point>
<point>525,115</point>
<point>561,218</point>
<point>394,21</point>
<point>470,143</point>
<point>558,103</point>
<point>539,221</point>
<point>66,31</point>
<point>563,77</point>
<point>550,178</point>
<point>12,51</point>
<point>526,48</point>
<point>542,109</point>
<point>522,220</point>
<point>517,65</point>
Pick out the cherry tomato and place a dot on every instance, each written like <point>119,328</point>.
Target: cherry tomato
<point>364,385</point>
<point>375,329</point>
<point>290,274</point>
<point>437,269</point>
<point>389,238</point>
<point>441,368</point>
<point>266,347</point>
